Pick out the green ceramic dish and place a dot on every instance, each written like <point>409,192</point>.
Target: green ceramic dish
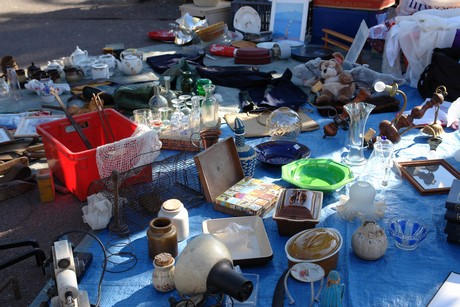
<point>317,174</point>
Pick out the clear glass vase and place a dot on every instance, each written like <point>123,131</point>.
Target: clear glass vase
<point>358,113</point>
<point>209,107</point>
<point>157,101</point>
<point>168,93</point>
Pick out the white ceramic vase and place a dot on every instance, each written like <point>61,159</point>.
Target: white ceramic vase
<point>369,241</point>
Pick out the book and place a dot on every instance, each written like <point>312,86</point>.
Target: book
<point>250,196</point>
<point>453,198</point>
<point>448,293</point>
<point>451,215</point>
<point>452,228</point>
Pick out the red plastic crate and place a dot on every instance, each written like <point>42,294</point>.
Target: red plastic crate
<point>70,161</point>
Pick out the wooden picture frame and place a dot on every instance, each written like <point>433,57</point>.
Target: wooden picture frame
<point>5,136</point>
<point>429,176</point>
<point>288,19</point>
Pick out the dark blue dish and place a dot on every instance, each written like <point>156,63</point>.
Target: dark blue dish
<point>281,152</point>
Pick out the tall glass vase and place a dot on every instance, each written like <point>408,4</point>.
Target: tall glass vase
<point>358,112</point>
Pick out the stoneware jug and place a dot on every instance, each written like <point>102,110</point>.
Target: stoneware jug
<point>369,241</point>
<point>78,55</point>
<point>130,62</point>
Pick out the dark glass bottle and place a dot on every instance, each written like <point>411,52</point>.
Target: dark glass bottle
<point>187,83</point>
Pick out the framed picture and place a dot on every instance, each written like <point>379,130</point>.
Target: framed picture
<point>27,125</point>
<point>288,19</point>
<point>5,136</point>
<point>429,176</point>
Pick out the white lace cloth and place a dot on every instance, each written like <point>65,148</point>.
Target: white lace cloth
<point>142,148</point>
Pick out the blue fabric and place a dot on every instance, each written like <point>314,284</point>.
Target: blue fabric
<point>399,278</point>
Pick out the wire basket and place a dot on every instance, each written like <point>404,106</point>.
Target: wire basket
<point>142,190</point>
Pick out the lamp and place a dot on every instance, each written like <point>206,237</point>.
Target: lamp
<point>206,266</point>
<point>391,130</point>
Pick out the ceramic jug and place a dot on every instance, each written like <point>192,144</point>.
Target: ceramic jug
<point>78,55</point>
<point>110,61</point>
<point>130,62</point>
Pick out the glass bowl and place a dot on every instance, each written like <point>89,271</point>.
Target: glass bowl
<point>407,233</point>
<point>284,124</point>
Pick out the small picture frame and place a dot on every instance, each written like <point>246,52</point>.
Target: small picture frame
<point>5,136</point>
<point>27,125</point>
<point>288,19</point>
<point>429,176</point>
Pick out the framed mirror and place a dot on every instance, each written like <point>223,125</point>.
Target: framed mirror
<point>429,176</point>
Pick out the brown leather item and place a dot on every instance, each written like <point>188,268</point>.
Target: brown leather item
<point>252,56</point>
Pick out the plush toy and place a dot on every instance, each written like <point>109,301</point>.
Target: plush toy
<point>337,85</point>
<point>308,72</point>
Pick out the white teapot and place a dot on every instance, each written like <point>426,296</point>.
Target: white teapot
<point>78,55</point>
<point>130,62</point>
<point>55,65</point>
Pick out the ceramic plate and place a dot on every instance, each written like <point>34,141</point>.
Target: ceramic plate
<point>266,45</point>
<point>317,174</point>
<point>247,20</point>
<point>162,35</point>
<point>281,152</point>
<point>292,43</point>
<point>307,272</point>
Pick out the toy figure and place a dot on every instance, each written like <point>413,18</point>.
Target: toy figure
<point>332,295</point>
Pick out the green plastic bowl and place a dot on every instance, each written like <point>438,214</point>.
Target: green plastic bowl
<point>317,174</point>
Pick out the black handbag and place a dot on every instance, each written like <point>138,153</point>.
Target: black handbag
<point>444,69</point>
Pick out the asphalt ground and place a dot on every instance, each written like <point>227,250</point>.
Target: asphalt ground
<point>39,31</point>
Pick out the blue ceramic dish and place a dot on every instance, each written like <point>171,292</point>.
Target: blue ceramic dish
<point>281,152</point>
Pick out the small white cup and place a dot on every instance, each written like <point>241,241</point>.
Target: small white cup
<point>100,71</point>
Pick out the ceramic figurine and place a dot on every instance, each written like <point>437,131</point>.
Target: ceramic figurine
<point>246,153</point>
<point>332,295</point>
<point>369,241</point>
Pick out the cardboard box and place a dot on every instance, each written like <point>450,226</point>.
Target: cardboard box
<point>372,5</point>
<point>220,173</point>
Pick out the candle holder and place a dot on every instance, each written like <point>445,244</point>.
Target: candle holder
<point>403,123</point>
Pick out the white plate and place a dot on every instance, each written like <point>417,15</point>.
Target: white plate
<point>307,272</point>
<point>247,20</point>
<point>266,45</point>
<point>245,237</point>
<point>292,43</point>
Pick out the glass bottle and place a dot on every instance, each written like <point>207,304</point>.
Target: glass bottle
<point>157,101</point>
<point>199,86</point>
<point>187,83</point>
<point>4,88</point>
<point>14,83</point>
<point>168,93</point>
<point>209,107</point>
<point>195,115</point>
<point>176,117</point>
<point>162,237</point>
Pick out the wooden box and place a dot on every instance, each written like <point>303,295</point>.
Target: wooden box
<point>220,171</point>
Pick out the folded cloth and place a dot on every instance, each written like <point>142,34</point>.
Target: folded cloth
<point>255,122</point>
<point>280,92</point>
<point>162,63</point>
<point>235,76</point>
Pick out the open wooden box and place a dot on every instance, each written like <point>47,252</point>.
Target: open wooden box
<point>219,170</point>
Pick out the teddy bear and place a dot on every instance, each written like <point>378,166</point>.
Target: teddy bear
<point>337,86</point>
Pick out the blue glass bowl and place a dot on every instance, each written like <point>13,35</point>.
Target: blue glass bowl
<point>407,233</point>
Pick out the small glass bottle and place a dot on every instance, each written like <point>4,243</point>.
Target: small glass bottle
<point>209,107</point>
<point>5,90</point>
<point>157,101</point>
<point>187,83</point>
<point>168,93</point>
<point>176,117</point>
<point>199,86</point>
<point>162,237</point>
<point>195,115</point>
